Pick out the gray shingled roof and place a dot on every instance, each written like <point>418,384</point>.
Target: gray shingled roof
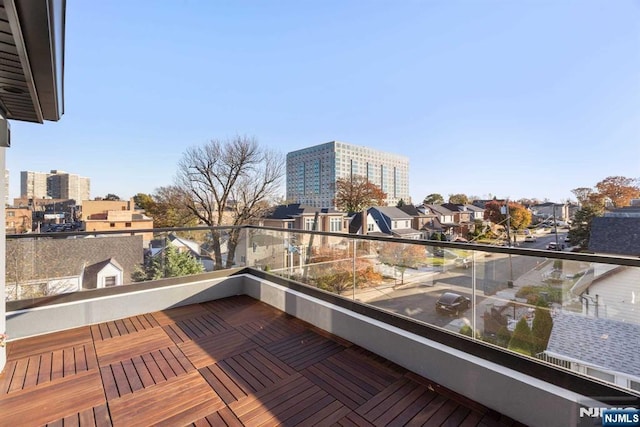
<point>615,235</point>
<point>392,212</point>
<point>607,343</point>
<point>296,209</point>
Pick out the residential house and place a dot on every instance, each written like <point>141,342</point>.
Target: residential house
<point>445,219</point>
<point>157,247</point>
<point>550,211</point>
<point>601,348</point>
<point>463,216</point>
<point>389,221</point>
<point>420,219</point>
<point>609,291</point>
<point>616,233</point>
<point>68,265</point>
<point>304,217</point>
<point>18,220</point>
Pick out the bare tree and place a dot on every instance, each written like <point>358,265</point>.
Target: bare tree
<point>229,182</point>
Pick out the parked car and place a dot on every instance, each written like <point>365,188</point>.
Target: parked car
<point>462,262</point>
<point>452,303</point>
<point>553,246</point>
<point>530,238</point>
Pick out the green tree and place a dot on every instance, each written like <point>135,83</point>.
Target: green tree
<point>521,339</point>
<point>170,263</point>
<point>111,197</point>
<point>401,203</point>
<point>541,328</point>
<point>357,193</point>
<point>580,231</point>
<point>458,199</point>
<point>433,199</point>
<point>401,256</point>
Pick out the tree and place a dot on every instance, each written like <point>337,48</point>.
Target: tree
<point>357,193</point>
<point>433,199</point>
<point>401,203</point>
<point>171,208</point>
<point>541,329</point>
<point>580,232</point>
<point>520,216</point>
<point>144,201</point>
<point>521,338</point>
<point>583,194</point>
<point>333,271</point>
<point>228,182</point>
<point>111,197</point>
<point>401,256</point>
<point>170,263</point>
<point>458,199</point>
<point>619,189</point>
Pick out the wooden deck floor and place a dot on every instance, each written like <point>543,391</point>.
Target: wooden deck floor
<point>234,362</point>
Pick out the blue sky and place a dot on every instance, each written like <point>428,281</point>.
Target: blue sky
<point>486,97</point>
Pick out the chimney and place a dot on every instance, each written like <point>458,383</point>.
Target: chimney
<point>364,221</point>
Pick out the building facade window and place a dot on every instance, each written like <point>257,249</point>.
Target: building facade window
<point>308,223</point>
<point>601,375</point>
<point>112,224</point>
<point>127,224</point>
<point>110,281</point>
<point>335,224</point>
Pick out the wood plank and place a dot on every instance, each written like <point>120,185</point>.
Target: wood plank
<point>132,375</point>
<point>153,368</point>
<point>6,376</point>
<point>128,346</point>
<point>353,419</point>
<point>175,315</point>
<point>33,369</point>
<point>428,411</point>
<point>19,373</point>
<point>228,390</point>
<point>186,399</point>
<point>299,416</point>
<point>209,350</point>
<point>46,343</point>
<point>455,419</point>
<point>143,371</point>
<point>109,382</point>
<point>53,400</point>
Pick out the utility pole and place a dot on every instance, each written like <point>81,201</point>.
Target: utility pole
<point>508,213</point>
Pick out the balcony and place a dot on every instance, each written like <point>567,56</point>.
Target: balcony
<point>344,326</point>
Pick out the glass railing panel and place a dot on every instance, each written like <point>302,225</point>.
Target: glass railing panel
<point>53,263</point>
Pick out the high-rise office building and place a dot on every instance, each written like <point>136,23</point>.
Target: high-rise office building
<point>312,172</point>
<point>56,184</point>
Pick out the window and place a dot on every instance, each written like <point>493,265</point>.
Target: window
<point>112,224</point>
<point>369,227</point>
<point>634,385</point>
<point>601,375</point>
<point>308,223</point>
<point>11,213</point>
<point>110,281</point>
<point>336,224</point>
<point>127,224</point>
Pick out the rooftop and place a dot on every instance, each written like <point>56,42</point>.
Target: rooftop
<point>233,361</point>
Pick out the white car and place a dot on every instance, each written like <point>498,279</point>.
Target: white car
<point>530,238</point>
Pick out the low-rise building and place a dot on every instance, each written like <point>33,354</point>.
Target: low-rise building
<point>110,215</point>
<point>18,220</point>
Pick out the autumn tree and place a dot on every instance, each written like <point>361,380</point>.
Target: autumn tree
<point>520,217</point>
<point>619,190</point>
<point>333,271</point>
<point>401,256</point>
<point>458,199</point>
<point>433,199</point>
<point>356,193</point>
<point>583,195</point>
<point>228,182</point>
<point>144,201</point>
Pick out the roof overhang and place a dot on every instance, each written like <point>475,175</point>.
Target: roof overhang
<point>32,36</point>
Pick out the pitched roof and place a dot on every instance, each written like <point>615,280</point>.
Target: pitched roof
<point>440,210</point>
<point>411,210</point>
<point>90,275</point>
<point>296,209</point>
<point>392,212</point>
<point>596,341</point>
<point>615,235</point>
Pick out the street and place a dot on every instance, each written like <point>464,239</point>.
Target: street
<point>493,272</point>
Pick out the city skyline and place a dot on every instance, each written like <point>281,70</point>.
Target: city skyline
<point>476,94</point>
